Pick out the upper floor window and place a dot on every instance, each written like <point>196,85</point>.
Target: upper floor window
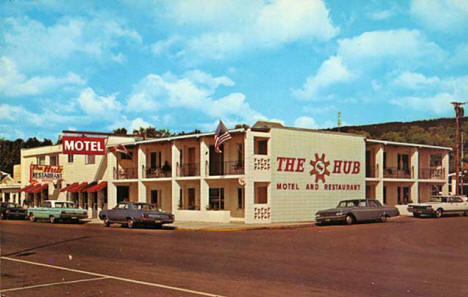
<point>261,146</point>
<point>70,158</point>
<point>54,160</point>
<point>436,160</point>
<point>128,156</point>
<point>41,160</point>
<point>90,159</point>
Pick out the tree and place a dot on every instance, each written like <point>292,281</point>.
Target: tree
<point>120,131</point>
<point>151,132</point>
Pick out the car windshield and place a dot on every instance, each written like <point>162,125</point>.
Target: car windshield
<point>12,205</point>
<point>145,206</point>
<point>64,205</point>
<point>438,199</point>
<point>350,203</point>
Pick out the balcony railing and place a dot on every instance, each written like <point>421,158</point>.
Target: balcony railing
<point>159,172</point>
<point>188,169</point>
<point>125,173</point>
<point>226,168</point>
<point>432,173</point>
<point>394,172</point>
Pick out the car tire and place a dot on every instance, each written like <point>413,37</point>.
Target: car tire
<point>349,220</point>
<point>130,223</point>
<point>416,215</point>
<point>32,218</point>
<point>465,213</point>
<point>383,218</point>
<point>52,219</point>
<point>438,213</point>
<point>106,222</point>
<point>318,223</point>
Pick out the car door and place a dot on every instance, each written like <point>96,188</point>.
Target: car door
<point>374,211</point>
<point>115,213</point>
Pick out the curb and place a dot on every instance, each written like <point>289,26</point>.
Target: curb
<point>228,229</point>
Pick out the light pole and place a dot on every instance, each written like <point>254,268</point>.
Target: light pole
<point>459,113</point>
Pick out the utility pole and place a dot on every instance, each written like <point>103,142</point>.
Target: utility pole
<point>339,120</point>
<point>459,113</point>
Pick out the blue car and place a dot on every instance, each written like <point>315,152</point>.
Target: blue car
<point>134,213</point>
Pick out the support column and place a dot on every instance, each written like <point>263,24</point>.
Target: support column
<point>204,158</point>
<point>141,192</point>
<point>111,187</point>
<point>379,191</point>
<point>90,205</point>
<point>204,193</point>
<point>415,171</point>
<point>445,165</point>
<point>175,185</point>
<point>249,180</point>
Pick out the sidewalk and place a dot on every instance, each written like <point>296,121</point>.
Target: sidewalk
<point>204,226</point>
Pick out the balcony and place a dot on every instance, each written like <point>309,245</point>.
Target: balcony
<point>226,168</point>
<point>125,173</point>
<point>159,172</point>
<point>394,172</point>
<point>188,169</point>
<point>432,173</point>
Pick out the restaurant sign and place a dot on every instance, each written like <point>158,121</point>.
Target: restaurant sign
<point>45,173</point>
<point>81,145</point>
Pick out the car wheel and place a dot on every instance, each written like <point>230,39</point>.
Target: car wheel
<point>319,223</point>
<point>465,213</point>
<point>349,219</point>
<point>130,223</point>
<point>106,222</point>
<point>438,213</point>
<point>52,219</point>
<point>416,215</point>
<point>32,218</point>
<point>383,218</point>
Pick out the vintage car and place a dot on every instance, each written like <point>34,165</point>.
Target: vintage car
<point>356,210</point>
<point>440,205</point>
<point>9,210</point>
<point>133,213</point>
<point>57,210</point>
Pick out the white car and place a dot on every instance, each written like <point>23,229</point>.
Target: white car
<point>440,205</point>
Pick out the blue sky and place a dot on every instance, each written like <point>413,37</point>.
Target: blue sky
<point>183,65</point>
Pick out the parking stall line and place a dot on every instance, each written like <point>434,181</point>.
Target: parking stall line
<point>114,277</point>
<point>53,284</point>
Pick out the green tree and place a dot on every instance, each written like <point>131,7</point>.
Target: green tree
<point>120,131</point>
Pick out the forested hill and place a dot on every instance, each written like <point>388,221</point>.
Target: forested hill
<point>433,132</point>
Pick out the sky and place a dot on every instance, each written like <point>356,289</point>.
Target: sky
<point>185,65</point>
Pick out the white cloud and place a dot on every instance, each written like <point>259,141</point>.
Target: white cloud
<point>95,105</point>
<point>34,45</point>
<point>438,104</point>
<point>305,122</point>
<point>381,14</point>
<point>449,16</point>
<point>230,27</point>
<point>19,116</point>
<point>412,80</point>
<point>13,83</point>
<point>331,71</point>
<point>195,90</point>
<point>137,123</point>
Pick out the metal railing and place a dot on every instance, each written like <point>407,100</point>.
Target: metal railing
<point>394,172</point>
<point>125,173</point>
<point>432,173</point>
<point>156,172</point>
<point>226,168</point>
<point>188,169</point>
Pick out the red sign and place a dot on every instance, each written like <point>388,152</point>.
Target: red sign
<point>73,145</point>
<point>41,173</point>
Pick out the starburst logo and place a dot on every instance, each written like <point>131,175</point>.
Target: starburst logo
<point>319,168</point>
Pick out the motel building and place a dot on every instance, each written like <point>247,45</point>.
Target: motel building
<point>267,173</point>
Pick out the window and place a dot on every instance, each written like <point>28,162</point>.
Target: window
<point>261,146</point>
<point>122,206</point>
<point>240,198</point>
<point>261,194</point>
<point>90,159</point>
<point>70,158</point>
<point>436,160</point>
<point>41,160</point>
<point>124,156</point>
<point>372,203</point>
<point>53,160</point>
<point>216,198</point>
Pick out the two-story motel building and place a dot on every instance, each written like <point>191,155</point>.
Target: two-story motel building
<point>267,173</point>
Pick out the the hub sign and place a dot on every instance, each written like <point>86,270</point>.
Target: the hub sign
<point>74,145</point>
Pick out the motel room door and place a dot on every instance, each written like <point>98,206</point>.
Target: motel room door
<point>191,162</point>
<point>123,193</point>
<point>216,161</point>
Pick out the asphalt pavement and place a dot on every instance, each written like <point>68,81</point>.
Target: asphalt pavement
<point>403,257</point>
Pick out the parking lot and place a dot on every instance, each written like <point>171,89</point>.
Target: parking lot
<point>403,257</point>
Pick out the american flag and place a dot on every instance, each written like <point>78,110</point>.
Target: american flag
<point>120,148</point>
<point>221,136</point>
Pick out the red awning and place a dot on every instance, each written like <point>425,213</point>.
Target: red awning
<point>38,188</point>
<point>67,188</point>
<point>97,187</point>
<point>77,188</point>
<point>27,188</point>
